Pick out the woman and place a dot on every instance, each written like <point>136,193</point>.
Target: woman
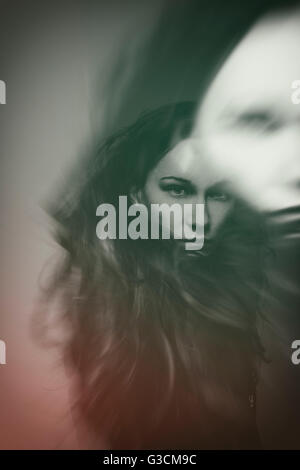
<point>164,340</point>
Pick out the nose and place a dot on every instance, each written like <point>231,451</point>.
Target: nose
<point>193,223</point>
<point>206,222</point>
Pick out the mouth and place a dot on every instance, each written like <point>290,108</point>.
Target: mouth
<point>204,251</point>
<point>207,247</point>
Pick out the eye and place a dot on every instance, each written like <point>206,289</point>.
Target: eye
<point>262,120</point>
<point>218,196</point>
<point>177,190</point>
<point>177,187</point>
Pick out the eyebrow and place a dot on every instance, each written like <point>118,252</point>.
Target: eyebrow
<point>222,184</point>
<point>181,180</point>
<point>259,115</point>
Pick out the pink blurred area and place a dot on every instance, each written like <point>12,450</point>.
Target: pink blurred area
<point>51,56</point>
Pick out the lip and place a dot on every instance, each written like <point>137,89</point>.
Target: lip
<point>205,250</point>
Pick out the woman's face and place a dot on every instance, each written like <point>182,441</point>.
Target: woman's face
<point>248,125</point>
<point>183,177</point>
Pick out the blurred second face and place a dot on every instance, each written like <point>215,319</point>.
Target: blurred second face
<point>247,123</point>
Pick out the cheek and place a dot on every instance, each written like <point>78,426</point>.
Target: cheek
<point>152,192</point>
<point>155,195</point>
<point>217,212</point>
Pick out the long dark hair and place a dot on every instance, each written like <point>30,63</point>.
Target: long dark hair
<point>164,343</point>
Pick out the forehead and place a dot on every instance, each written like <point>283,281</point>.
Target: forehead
<point>260,70</point>
<point>186,160</point>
